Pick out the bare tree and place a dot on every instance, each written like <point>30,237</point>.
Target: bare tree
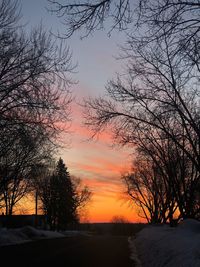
<point>156,93</point>
<point>83,195</point>
<point>174,16</point>
<point>28,150</point>
<point>147,190</point>
<point>156,103</point>
<point>35,99</point>
<point>178,172</point>
<point>162,181</point>
<point>34,79</point>
<point>91,15</point>
<point>33,89</point>
<point>178,18</point>
<point>8,14</point>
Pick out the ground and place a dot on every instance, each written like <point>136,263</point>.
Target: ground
<point>77,251</point>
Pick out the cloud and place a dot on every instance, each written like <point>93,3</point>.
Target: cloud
<point>99,166</point>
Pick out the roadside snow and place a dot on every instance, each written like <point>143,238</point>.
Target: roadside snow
<point>159,246</point>
<point>134,254</point>
<point>28,233</point>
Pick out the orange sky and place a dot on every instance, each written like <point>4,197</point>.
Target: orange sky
<point>100,167</point>
<point>96,163</point>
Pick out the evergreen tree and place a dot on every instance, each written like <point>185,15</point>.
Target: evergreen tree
<point>58,196</point>
<point>65,197</point>
<point>62,196</point>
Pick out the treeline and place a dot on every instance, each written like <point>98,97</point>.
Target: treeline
<point>35,100</point>
<point>154,105</point>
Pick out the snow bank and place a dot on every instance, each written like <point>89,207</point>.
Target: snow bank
<point>159,246</point>
<point>24,234</point>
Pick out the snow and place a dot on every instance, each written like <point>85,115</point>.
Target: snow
<point>158,246</point>
<point>28,233</point>
<point>154,246</point>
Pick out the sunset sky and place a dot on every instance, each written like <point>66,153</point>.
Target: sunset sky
<point>95,162</point>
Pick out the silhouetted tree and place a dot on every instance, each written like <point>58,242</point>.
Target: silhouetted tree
<point>60,195</point>
<point>16,167</point>
<point>174,169</point>
<point>155,104</point>
<point>41,187</point>
<point>64,195</point>
<point>83,196</point>
<point>176,17</point>
<point>33,79</point>
<point>150,189</point>
<point>91,15</point>
<point>34,99</point>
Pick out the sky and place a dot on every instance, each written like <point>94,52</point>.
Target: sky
<point>97,163</point>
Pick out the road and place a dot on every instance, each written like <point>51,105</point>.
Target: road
<point>82,251</point>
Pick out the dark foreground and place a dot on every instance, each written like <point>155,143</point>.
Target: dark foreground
<point>91,251</point>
